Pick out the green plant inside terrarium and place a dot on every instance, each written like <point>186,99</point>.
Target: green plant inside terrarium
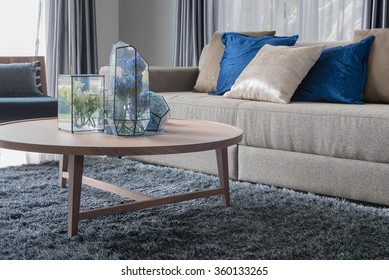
<point>86,104</point>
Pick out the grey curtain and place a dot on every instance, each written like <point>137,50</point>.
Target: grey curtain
<point>375,14</point>
<point>83,37</point>
<point>71,39</point>
<point>57,47</point>
<point>196,23</point>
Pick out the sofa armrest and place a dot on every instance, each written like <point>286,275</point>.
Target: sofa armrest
<point>164,79</point>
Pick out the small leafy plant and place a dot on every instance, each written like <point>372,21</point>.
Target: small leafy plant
<point>87,103</point>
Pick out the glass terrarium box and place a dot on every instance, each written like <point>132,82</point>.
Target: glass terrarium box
<point>128,101</point>
<point>159,112</point>
<point>81,102</point>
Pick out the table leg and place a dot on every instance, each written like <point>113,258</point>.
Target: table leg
<point>63,167</point>
<point>222,165</point>
<point>76,169</point>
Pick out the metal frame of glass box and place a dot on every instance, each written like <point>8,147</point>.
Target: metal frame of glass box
<point>159,112</point>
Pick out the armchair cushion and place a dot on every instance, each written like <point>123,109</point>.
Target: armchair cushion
<point>19,108</point>
<point>20,79</point>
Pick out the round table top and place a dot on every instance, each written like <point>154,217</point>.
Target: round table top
<point>183,136</point>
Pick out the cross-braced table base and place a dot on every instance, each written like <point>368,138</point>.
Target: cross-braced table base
<point>72,168</point>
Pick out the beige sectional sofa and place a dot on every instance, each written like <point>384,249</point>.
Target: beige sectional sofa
<point>333,149</point>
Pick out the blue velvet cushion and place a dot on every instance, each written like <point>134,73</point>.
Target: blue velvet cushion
<point>239,51</point>
<point>20,79</point>
<point>339,75</point>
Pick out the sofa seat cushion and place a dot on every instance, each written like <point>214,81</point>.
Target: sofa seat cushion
<point>18,108</point>
<point>194,105</point>
<point>338,130</point>
<point>329,129</point>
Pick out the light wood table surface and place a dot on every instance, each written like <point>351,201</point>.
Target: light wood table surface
<point>184,136</point>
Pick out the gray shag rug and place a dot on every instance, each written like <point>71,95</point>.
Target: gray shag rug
<point>263,222</point>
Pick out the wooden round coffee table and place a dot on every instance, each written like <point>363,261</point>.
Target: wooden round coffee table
<point>184,136</point>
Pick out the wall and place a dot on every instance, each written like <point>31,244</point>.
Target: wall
<point>107,13</point>
<point>149,26</point>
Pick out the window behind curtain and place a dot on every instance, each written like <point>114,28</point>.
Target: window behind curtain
<point>326,20</point>
<point>18,31</point>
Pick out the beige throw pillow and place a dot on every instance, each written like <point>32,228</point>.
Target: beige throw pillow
<point>377,79</point>
<point>210,64</point>
<point>275,73</point>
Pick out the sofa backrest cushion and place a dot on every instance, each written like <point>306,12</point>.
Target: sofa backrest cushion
<point>377,80</point>
<point>203,55</point>
<point>210,61</point>
<point>338,76</point>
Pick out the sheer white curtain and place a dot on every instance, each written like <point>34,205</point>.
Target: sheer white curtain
<point>324,20</point>
<point>22,34</point>
<point>19,27</point>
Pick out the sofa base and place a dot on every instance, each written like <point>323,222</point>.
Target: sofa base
<point>351,179</point>
<point>204,162</point>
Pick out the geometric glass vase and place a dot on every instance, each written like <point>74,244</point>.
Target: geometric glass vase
<point>159,111</point>
<point>80,102</point>
<point>128,102</point>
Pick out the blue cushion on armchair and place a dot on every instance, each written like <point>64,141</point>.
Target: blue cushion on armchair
<point>239,51</point>
<point>20,79</point>
<point>339,75</point>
